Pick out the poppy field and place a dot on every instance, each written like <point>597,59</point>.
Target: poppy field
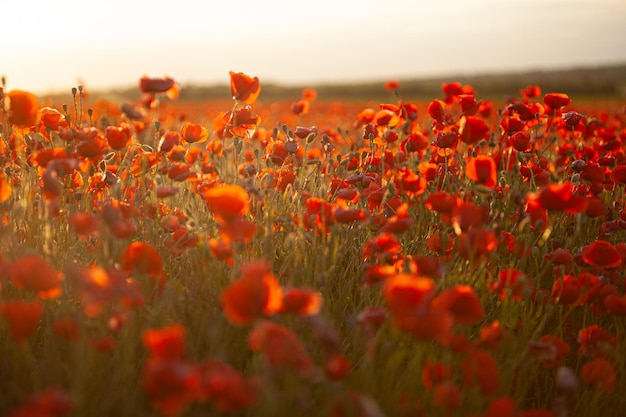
<point>455,257</point>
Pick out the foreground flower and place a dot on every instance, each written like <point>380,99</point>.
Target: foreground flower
<point>22,317</point>
<point>22,108</point>
<point>256,293</point>
<point>244,88</point>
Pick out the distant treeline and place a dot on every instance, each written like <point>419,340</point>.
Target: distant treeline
<point>586,82</point>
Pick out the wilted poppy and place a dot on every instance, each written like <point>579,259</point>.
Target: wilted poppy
<point>22,317</point>
<point>255,293</point>
<point>244,88</point>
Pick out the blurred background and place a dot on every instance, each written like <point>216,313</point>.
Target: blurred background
<point>51,46</point>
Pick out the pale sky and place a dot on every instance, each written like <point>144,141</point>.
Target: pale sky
<point>48,45</point>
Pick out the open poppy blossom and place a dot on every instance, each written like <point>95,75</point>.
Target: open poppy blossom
<point>603,254</point>
<point>482,170</point>
<point>141,258</point>
<point>165,85</point>
<point>22,108</point>
<point>406,294</point>
<point>193,133</point>
<point>22,318</point>
<point>301,301</point>
<point>463,302</point>
<point>561,197</point>
<point>479,369</point>
<point>168,342</point>
<point>600,375</point>
<point>34,273</point>
<point>472,129</point>
<point>227,389</point>
<point>255,293</point>
<point>280,347</point>
<point>244,88</point>
<point>170,384</point>
<point>227,201</point>
<point>556,100</point>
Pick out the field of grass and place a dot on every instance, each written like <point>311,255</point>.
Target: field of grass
<point>254,256</point>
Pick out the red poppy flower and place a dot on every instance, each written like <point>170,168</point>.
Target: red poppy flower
<point>5,189</point>
<point>603,254</point>
<point>435,372</point>
<point>301,301</point>
<point>52,119</point>
<point>550,350</point>
<point>595,341</point>
<point>226,388</point>
<point>501,407</point>
<point>436,110</point>
<point>482,170</point>
<point>243,87</point>
<point>227,201</point>
<point>447,396</point>
<point>492,335</point>
<point>22,317</point>
<point>463,302</point>
<point>22,108</point>
<point>255,293</point>
<point>478,368</point>
<point>281,347</point>
<point>34,273</point>
<point>141,258</point>
<point>406,294</point>
<point>472,129</point>
<point>193,133</point>
<point>118,137</point>
<point>171,385</point>
<point>53,402</point>
<point>556,100</point>
<point>166,343</point>
<point>600,375</point>
<point>560,197</point>
<point>66,329</point>
<point>392,85</point>
<point>337,367</point>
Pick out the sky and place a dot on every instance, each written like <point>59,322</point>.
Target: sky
<point>48,46</point>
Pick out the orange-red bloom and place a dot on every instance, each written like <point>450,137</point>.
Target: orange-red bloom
<point>480,369</point>
<point>482,170</point>
<point>141,258</point>
<point>167,342</point>
<point>301,301</point>
<point>243,87</point>
<point>281,347</point>
<point>603,254</point>
<point>22,317</point>
<point>255,293</point>
<point>463,302</point>
<point>22,108</point>
<point>227,201</point>
<point>35,274</point>
<point>600,375</point>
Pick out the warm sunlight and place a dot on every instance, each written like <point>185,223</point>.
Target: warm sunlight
<point>49,45</point>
